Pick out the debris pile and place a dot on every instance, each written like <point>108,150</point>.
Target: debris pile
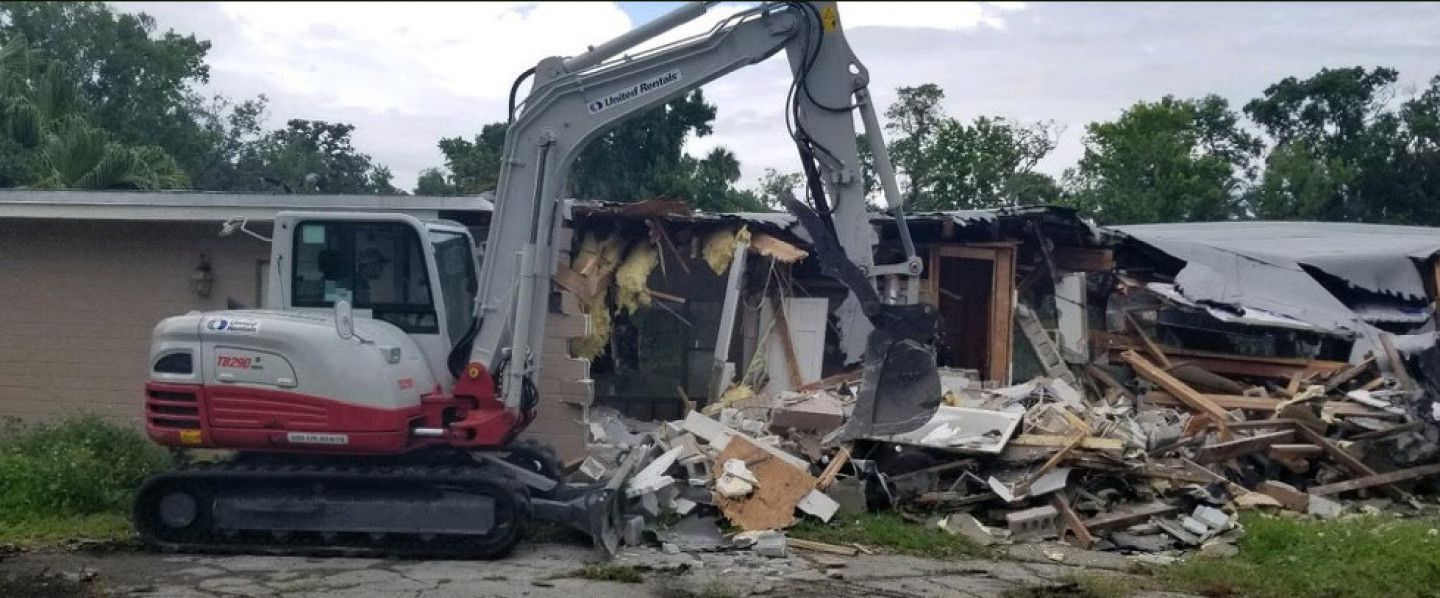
<point>1170,377</point>
<point>1151,453</point>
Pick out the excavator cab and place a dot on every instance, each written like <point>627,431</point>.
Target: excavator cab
<point>419,276</point>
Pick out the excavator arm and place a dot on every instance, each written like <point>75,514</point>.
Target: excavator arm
<point>575,99</point>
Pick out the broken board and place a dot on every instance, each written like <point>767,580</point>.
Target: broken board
<point>781,486</point>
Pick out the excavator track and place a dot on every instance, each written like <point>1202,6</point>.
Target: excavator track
<point>335,508</point>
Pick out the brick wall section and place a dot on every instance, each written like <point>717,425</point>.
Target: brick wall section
<point>566,389</point>
<point>78,300</point>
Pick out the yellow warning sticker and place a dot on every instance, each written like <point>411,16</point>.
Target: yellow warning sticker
<point>190,437</point>
<point>829,18</point>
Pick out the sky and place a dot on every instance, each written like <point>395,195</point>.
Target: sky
<point>407,74</point>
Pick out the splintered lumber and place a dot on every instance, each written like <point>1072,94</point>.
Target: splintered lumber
<point>1225,451</point>
<point>781,487</point>
<point>1072,521</point>
<point>1278,368</point>
<point>814,546</point>
<point>827,477</point>
<point>1089,443</point>
<point>1105,378</point>
<point>1191,397</point>
<point>1349,374</point>
<point>1382,479</point>
<point>1268,405</point>
<point>1346,459</point>
<point>1149,344</point>
<point>1129,517</point>
<point>1397,365</point>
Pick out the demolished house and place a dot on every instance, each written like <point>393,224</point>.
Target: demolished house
<point>1127,389</point>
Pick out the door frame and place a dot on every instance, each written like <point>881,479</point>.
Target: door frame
<point>1000,344</point>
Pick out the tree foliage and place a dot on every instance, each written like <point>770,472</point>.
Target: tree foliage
<point>1343,151</point>
<point>943,163</point>
<point>1168,161</point>
<point>642,158</point>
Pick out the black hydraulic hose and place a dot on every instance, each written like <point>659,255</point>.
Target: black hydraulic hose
<point>515,89</point>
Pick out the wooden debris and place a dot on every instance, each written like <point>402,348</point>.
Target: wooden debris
<point>1240,447</point>
<point>827,477</point>
<point>1072,520</point>
<point>1150,345</point>
<point>1380,479</point>
<point>1268,405</point>
<point>1129,517</point>
<point>1191,397</point>
<point>1230,364</point>
<point>1346,459</point>
<point>1349,374</point>
<point>781,486</point>
<point>1090,443</point>
<point>782,328</point>
<point>814,546</point>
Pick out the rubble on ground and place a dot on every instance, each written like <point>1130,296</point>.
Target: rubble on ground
<point>1129,390</point>
<point>1146,454</point>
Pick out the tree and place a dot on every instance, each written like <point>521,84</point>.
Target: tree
<point>311,157</point>
<point>137,87</point>
<point>1167,161</point>
<point>432,181</point>
<point>47,140</point>
<point>912,120</point>
<point>1341,152</point>
<point>642,158</point>
<point>983,164</point>
<point>945,164</point>
<point>473,166</point>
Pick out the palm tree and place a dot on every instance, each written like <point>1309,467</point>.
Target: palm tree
<point>47,141</point>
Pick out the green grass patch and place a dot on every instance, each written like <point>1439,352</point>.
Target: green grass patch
<point>890,531</point>
<point>1365,556</point>
<point>71,479</point>
<point>620,573</point>
<point>53,532</point>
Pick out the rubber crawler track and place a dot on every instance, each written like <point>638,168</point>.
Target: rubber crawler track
<point>512,508</point>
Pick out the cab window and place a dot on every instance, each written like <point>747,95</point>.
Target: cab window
<point>380,265</point>
<point>456,264</point>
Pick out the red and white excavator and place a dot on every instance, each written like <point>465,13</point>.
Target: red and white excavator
<point>373,405</point>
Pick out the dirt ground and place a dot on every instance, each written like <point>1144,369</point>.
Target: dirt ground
<point>541,570</point>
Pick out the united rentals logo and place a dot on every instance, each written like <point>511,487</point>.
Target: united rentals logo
<point>635,91</point>
<point>242,326</point>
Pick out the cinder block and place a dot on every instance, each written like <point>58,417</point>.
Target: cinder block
<point>562,326</point>
<point>1034,524</point>
<point>550,387</point>
<point>566,369</point>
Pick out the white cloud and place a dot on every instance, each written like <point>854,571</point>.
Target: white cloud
<point>926,15</point>
<point>408,74</point>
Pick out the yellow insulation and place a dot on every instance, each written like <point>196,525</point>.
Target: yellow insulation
<point>631,292</point>
<point>720,248</point>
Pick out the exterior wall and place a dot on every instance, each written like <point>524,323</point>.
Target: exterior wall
<point>78,299</point>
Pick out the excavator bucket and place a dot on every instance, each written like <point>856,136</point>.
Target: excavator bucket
<point>900,385</point>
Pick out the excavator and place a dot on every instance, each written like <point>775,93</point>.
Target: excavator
<point>373,405</point>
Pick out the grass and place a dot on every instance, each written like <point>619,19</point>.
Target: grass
<point>71,479</point>
<point>890,531</point>
<point>620,573</point>
<point>1360,557</point>
<point>53,532</point>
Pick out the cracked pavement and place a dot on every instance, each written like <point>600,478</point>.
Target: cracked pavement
<point>541,570</point>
